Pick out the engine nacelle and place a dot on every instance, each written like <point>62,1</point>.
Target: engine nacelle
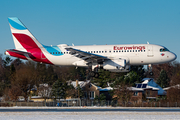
<point>116,65</point>
<point>126,69</point>
<point>80,63</point>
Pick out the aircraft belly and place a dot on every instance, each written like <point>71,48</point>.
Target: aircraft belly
<point>134,60</point>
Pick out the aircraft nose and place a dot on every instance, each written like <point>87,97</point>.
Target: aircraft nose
<point>173,56</point>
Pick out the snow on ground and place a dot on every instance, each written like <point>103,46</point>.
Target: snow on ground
<point>89,115</point>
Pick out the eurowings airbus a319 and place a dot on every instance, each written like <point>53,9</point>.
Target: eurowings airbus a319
<point>115,58</point>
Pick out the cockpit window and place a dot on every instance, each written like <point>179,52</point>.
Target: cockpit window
<point>163,50</point>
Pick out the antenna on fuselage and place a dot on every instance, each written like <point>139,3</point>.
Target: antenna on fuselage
<point>147,42</point>
<point>72,44</point>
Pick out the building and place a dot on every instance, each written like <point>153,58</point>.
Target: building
<point>151,84</point>
<point>147,90</point>
<point>91,90</point>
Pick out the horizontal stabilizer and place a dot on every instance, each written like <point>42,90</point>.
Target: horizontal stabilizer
<point>23,55</point>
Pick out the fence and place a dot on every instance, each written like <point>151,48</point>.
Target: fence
<point>82,103</point>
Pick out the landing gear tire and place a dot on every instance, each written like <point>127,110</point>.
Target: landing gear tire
<point>96,75</point>
<point>151,73</point>
<point>92,73</point>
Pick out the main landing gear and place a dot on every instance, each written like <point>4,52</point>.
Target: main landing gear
<point>94,73</point>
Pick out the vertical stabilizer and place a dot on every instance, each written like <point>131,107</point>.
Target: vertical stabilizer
<point>27,46</point>
<point>23,39</point>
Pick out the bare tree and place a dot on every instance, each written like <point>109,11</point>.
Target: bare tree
<point>168,67</point>
<point>173,94</point>
<point>122,93</point>
<point>14,93</point>
<point>44,91</point>
<point>25,78</point>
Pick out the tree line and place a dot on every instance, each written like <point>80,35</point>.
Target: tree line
<point>18,77</point>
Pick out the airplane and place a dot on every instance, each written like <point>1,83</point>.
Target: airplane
<point>115,58</point>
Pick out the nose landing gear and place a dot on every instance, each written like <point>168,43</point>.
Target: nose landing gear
<point>150,70</point>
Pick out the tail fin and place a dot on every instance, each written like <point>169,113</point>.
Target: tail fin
<point>23,39</point>
<point>27,46</point>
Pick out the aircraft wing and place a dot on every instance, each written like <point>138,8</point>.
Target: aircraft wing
<point>86,55</point>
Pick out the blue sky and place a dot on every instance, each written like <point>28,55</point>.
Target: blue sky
<point>89,22</point>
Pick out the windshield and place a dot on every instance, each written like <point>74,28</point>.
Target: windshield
<point>163,49</point>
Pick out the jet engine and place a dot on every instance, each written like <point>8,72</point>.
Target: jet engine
<point>116,65</point>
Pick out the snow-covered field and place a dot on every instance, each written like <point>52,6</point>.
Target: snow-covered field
<point>89,115</point>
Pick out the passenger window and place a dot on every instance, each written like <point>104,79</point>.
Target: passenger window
<point>105,51</point>
<point>109,51</point>
<point>99,51</point>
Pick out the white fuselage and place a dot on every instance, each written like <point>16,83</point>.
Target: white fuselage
<point>135,54</point>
